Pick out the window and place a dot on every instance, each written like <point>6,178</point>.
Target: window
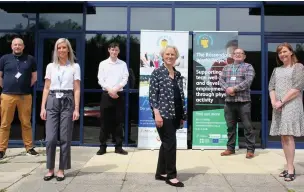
<point>195,19</point>
<point>91,124</point>
<point>252,46</point>
<point>91,117</point>
<point>135,58</point>
<point>151,18</point>
<point>239,19</point>
<point>108,18</point>
<point>17,20</point>
<point>97,51</point>
<point>133,118</point>
<point>284,23</point>
<point>61,21</point>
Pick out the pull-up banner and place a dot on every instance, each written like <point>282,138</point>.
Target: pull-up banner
<point>151,43</point>
<point>211,52</point>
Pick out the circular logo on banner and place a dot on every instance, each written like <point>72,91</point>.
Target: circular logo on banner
<point>164,41</point>
<point>204,41</point>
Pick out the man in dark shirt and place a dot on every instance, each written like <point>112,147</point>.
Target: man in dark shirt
<point>18,73</point>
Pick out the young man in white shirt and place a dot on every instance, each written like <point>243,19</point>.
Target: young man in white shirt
<point>112,77</point>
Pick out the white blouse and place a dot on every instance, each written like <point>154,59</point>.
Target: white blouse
<point>62,77</point>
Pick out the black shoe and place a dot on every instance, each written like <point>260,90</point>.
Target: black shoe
<point>290,177</point>
<point>32,152</point>
<point>60,178</point>
<point>160,178</point>
<point>121,151</point>
<point>178,184</point>
<point>2,154</point>
<point>101,152</point>
<point>47,178</point>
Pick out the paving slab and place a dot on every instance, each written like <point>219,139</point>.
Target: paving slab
<point>260,189</point>
<point>246,180</point>
<point>92,188</point>
<point>11,177</point>
<point>5,185</point>
<point>142,179</point>
<point>298,182</point>
<point>34,186</point>
<point>107,163</point>
<point>90,178</point>
<point>196,179</point>
<point>148,188</point>
<point>28,159</point>
<point>18,167</point>
<point>205,188</point>
<point>41,170</point>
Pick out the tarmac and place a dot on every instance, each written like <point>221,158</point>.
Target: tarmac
<point>199,170</point>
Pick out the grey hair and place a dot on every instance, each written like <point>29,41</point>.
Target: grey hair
<point>71,55</point>
<point>162,52</point>
<point>17,38</point>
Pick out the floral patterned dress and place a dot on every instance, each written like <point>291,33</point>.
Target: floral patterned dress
<point>289,121</point>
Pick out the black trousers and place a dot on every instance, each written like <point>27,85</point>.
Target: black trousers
<point>111,119</point>
<point>167,152</point>
<point>243,110</point>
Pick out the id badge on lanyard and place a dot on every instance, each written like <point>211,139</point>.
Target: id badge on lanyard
<point>18,74</point>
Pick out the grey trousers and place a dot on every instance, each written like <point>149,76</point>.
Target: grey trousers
<point>59,120</point>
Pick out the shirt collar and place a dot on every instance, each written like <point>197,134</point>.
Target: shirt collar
<point>237,64</point>
<point>166,71</point>
<point>111,62</point>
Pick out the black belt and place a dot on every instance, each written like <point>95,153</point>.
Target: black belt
<point>61,91</point>
<point>119,92</point>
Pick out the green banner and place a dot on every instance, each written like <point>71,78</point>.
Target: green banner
<point>211,52</point>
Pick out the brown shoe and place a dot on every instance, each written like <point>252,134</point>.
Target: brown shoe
<point>227,152</point>
<point>249,155</point>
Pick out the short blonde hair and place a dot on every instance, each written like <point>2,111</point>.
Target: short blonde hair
<point>162,52</point>
<point>71,55</point>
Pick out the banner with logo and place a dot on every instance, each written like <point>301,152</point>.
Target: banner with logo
<point>151,43</point>
<point>211,52</point>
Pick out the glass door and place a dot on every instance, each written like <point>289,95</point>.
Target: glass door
<point>271,45</point>
<point>46,43</point>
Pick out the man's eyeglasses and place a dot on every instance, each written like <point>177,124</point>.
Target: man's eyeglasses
<point>238,53</point>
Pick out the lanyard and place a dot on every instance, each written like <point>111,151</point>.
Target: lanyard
<point>234,70</point>
<point>18,64</point>
<point>60,77</point>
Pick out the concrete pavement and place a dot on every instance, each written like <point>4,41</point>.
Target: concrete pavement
<point>199,170</point>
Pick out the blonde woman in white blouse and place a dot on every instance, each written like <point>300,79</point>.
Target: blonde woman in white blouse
<point>60,106</point>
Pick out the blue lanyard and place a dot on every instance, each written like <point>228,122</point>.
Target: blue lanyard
<point>235,70</point>
<point>60,77</point>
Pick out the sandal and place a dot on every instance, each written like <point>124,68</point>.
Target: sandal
<point>290,177</point>
<point>283,173</point>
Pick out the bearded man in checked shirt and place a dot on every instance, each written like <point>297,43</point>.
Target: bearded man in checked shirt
<point>236,79</point>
